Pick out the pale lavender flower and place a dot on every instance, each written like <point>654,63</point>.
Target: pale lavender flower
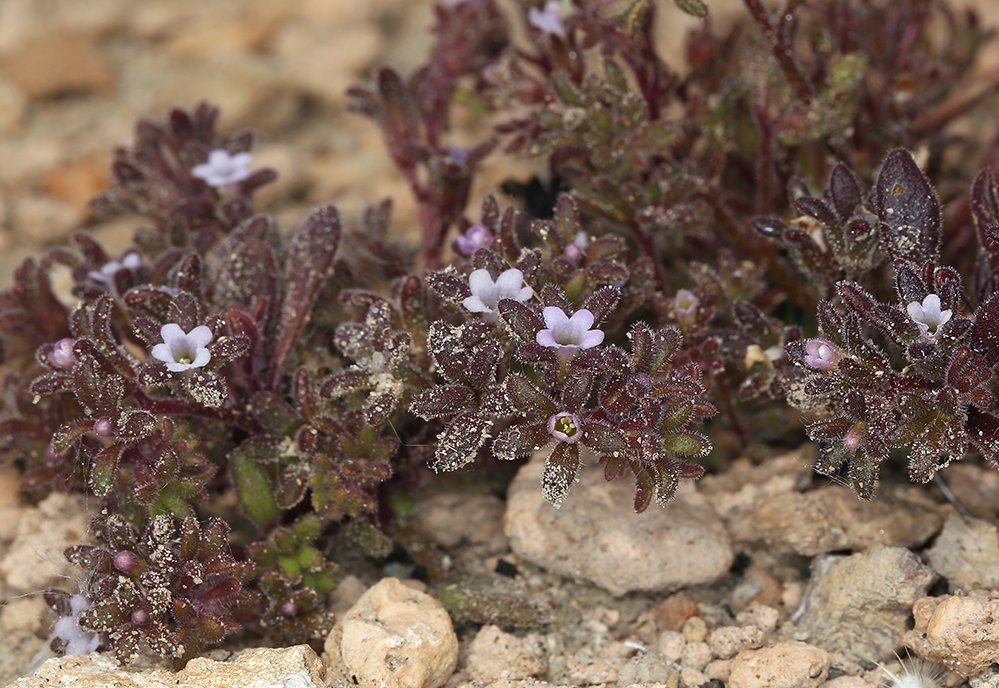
<point>566,334</point>
<point>474,238</point>
<point>103,427</point>
<point>565,427</point>
<point>486,293</point>
<point>61,356</point>
<point>548,20</point>
<point>182,351</point>
<point>223,169</point>
<point>67,628</point>
<point>821,354</point>
<point>685,305</point>
<point>107,272</point>
<point>928,316</point>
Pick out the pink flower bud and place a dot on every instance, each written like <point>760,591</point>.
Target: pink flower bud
<point>289,608</point>
<point>685,305</point>
<point>127,562</point>
<point>103,427</point>
<point>821,354</point>
<point>140,617</point>
<point>61,356</point>
<point>854,438</point>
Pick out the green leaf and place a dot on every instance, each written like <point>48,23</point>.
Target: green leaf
<point>695,8</point>
<point>687,444</point>
<point>256,494</point>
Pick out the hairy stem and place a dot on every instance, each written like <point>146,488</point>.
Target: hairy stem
<point>777,33</point>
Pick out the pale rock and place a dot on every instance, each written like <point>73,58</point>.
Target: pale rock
<point>57,62</point>
<point>759,616</point>
<point>394,637</point>
<point>452,518</point>
<point>28,157</point>
<point>597,536</point>
<point>34,560</point>
<point>696,655</point>
<point>784,665</point>
<point>494,654</point>
<point>44,218</point>
<point>692,678</point>
<point>582,669</point>
<point>22,633</point>
<point>849,682</point>
<point>728,641</point>
<point>860,604</point>
<point>208,41</point>
<point>990,679</point>
<point>695,629</point>
<point>646,667</point>
<point>718,669</point>
<point>966,553</point>
<point>961,633</point>
<point>670,645</point>
<point>292,667</point>
<point>352,47</point>
<point>10,507</point>
<point>78,181</point>
<point>745,483</point>
<point>832,518</point>
<point>975,486</point>
<point>13,106</point>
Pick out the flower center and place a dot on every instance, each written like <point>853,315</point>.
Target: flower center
<point>566,426</point>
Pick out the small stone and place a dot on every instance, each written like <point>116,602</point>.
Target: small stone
<point>784,665</point>
<point>670,645</point>
<point>22,633</point>
<point>966,553</point>
<point>692,678</point>
<point>58,62</point>
<point>728,641</point>
<point>961,633</point>
<point>718,669</point>
<point>646,667</point>
<point>696,655</point>
<point>673,612</point>
<point>759,616</point>
<point>859,605</point>
<point>479,520</point>
<point>849,682</point>
<point>831,518</point>
<point>43,218</point>
<point>34,560</point>
<point>662,549</point>
<point>78,181</point>
<point>695,630</point>
<point>13,106</point>
<point>975,486</point>
<point>292,667</point>
<point>494,655</point>
<point>394,637</point>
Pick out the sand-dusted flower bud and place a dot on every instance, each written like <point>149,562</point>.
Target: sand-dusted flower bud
<point>821,354</point>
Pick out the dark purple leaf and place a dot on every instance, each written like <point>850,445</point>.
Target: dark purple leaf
<point>521,440</point>
<point>526,398</point>
<point>560,472</point>
<point>307,265</point>
<point>817,208</point>
<point>908,210</point>
<point>134,425</point>
<point>844,190</point>
<point>524,320</point>
<point>442,401</point>
<point>459,443</point>
<point>602,302</point>
<point>984,336</point>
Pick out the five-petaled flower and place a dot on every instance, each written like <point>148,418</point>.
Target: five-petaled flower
<point>182,351</point>
<point>565,427</point>
<point>928,316</point>
<point>821,354</point>
<point>474,238</point>
<point>223,169</point>
<point>486,293</point>
<point>569,335</point>
<point>548,20</point>
<point>107,272</point>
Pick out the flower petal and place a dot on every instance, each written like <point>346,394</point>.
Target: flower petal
<point>545,338</point>
<point>591,339</point>
<point>161,352</point>
<point>174,367</point>
<point>581,320</point>
<point>480,281</point>
<point>475,305</point>
<point>554,317</point>
<point>509,282</point>
<point>199,336</point>
<point>171,332</point>
<point>524,294</point>
<point>202,358</point>
<point>915,311</point>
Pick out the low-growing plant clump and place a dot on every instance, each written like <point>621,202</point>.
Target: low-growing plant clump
<point>786,228</point>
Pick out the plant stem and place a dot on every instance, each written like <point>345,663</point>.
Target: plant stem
<point>777,34</point>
